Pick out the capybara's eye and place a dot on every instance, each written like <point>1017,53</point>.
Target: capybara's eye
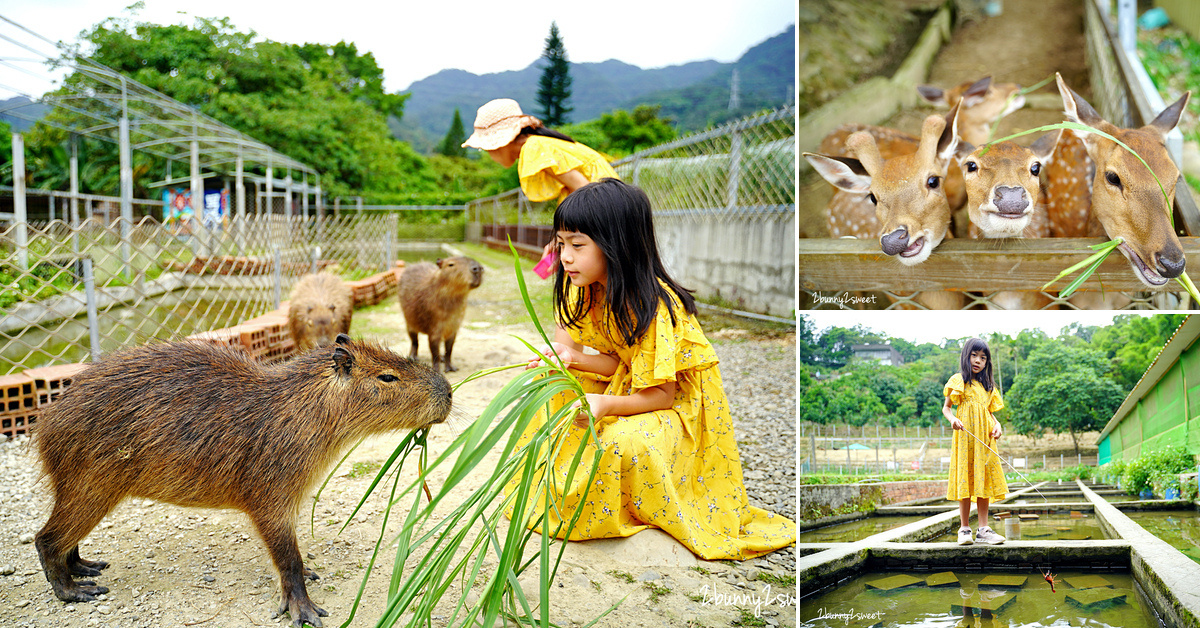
<point>932,182</point>
<point>1113,179</point>
<point>871,197</point>
<point>1035,169</point>
<point>972,166</point>
<point>387,377</point>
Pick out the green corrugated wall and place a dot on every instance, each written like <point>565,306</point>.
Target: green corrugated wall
<point>1169,414</point>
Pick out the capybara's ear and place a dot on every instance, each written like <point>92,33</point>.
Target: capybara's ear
<point>342,361</point>
<point>342,339</point>
<point>439,262</point>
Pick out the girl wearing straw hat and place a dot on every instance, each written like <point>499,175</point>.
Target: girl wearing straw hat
<point>550,165</point>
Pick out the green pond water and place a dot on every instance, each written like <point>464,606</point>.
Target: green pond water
<point>1180,528</point>
<point>1031,605</point>
<point>1045,528</point>
<point>1033,500</point>
<point>856,530</point>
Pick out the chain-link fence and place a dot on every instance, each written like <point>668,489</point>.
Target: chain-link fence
<point>68,293</point>
<point>972,274</point>
<point>724,203</point>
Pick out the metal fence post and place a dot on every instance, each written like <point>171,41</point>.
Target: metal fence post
<point>126,176</point>
<point>735,170</point>
<point>278,278</point>
<point>316,257</point>
<point>19,211</point>
<point>74,193</point>
<point>89,290</point>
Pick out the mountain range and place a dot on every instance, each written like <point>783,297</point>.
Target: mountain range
<point>693,95</point>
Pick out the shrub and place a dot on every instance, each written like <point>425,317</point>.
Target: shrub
<point>1157,466</point>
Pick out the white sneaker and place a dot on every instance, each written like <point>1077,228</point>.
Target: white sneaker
<point>987,535</point>
<point>964,536</point>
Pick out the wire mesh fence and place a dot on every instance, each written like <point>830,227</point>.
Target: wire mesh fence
<point>71,292</point>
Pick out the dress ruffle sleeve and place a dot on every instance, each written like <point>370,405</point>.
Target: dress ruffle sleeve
<point>668,349</point>
<point>954,390</point>
<point>996,403</point>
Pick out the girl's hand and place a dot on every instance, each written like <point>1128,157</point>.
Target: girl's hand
<point>996,431</point>
<point>562,351</point>
<point>597,403</point>
<point>956,424</point>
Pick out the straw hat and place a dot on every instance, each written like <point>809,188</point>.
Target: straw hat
<point>498,123</point>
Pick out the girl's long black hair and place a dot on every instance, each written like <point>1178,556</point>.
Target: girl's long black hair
<point>616,216</point>
<point>984,377</point>
<point>545,132</point>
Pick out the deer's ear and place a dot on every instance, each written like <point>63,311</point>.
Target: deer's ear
<point>935,95</point>
<point>948,141</point>
<point>976,92</point>
<point>1170,116</point>
<point>962,150</point>
<point>1044,147</point>
<point>843,173</point>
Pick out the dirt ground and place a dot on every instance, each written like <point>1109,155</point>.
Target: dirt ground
<point>1025,44</point>
<point>174,566</point>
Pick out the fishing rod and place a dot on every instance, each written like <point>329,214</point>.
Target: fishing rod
<point>964,429</point>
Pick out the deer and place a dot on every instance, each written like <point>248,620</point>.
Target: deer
<point>981,103</point>
<point>1126,202</point>
<point>906,191</point>
<point>1003,197</point>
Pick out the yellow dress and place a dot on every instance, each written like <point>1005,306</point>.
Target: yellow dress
<point>542,157</point>
<point>974,471</point>
<point>677,469</point>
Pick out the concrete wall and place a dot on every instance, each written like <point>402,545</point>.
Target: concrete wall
<point>750,262</point>
<point>834,496</point>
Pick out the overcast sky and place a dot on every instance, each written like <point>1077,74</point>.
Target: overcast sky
<point>934,326</point>
<point>412,40</point>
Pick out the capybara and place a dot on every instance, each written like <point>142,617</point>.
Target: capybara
<point>434,299</point>
<point>199,425</point>
<point>320,308</point>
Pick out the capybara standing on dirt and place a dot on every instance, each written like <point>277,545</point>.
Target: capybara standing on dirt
<point>198,425</point>
<point>319,309</point>
<point>434,299</point>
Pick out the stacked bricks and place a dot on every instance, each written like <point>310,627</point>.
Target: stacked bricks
<point>18,404</point>
<point>277,339</point>
<point>231,265</point>
<point>51,381</point>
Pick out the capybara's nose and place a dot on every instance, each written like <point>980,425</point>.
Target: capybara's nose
<point>1011,199</point>
<point>1170,265</point>
<point>895,242</point>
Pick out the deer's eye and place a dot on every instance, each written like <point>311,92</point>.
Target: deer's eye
<point>1112,179</point>
<point>871,197</point>
<point>972,166</point>
<point>1035,169</point>
<point>932,182</point>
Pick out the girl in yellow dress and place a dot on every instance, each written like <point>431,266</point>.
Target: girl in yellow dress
<point>975,471</point>
<point>669,456</point>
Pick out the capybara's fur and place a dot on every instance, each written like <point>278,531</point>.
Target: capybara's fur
<point>434,300</point>
<point>320,308</point>
<point>198,425</point>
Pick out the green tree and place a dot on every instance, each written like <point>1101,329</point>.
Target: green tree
<point>851,400</point>
<point>622,133</point>
<point>358,76</point>
<point>1064,389</point>
<point>1132,342</point>
<point>554,87</point>
<point>452,144</point>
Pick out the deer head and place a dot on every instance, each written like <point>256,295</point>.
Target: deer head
<point>983,103</point>
<point>1003,183</point>
<point>1125,198</point>
<point>907,191</point>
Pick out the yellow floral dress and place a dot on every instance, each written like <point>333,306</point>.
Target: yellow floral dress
<point>974,471</point>
<point>677,470</point>
<point>543,157</point>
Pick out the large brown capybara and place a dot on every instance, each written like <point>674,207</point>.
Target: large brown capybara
<point>198,425</point>
<point>434,300</point>
<point>320,308</point>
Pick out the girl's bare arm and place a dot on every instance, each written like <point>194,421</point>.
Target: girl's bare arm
<point>572,354</point>
<point>659,397</point>
<point>949,414</point>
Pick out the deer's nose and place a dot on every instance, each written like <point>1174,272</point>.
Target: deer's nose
<point>1171,264</point>
<point>1011,199</point>
<point>895,242</point>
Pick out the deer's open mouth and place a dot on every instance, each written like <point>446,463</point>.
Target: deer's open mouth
<point>1144,271</point>
<point>914,248</point>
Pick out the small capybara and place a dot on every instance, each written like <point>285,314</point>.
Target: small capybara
<point>434,299</point>
<point>199,425</point>
<point>320,308</point>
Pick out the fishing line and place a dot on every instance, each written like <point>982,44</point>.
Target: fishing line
<point>964,429</point>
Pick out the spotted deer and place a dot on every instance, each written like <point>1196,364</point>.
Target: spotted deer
<point>906,191</point>
<point>980,104</point>
<point>1126,202</point>
<point>1003,200</point>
